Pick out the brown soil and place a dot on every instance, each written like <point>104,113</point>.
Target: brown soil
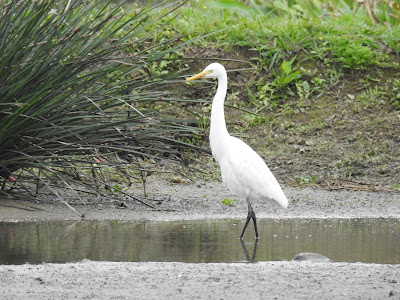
<point>345,134</point>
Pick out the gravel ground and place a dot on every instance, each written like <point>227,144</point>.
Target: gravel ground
<point>309,279</point>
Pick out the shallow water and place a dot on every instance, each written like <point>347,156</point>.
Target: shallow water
<point>349,240</point>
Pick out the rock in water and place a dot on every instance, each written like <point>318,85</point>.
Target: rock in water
<point>310,256</point>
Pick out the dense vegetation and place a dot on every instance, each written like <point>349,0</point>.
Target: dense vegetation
<point>76,81</point>
<point>91,89</point>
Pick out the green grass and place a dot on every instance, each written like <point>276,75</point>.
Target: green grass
<point>286,35</point>
<point>297,55</point>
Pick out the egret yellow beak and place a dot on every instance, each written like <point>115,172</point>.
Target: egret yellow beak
<point>200,75</point>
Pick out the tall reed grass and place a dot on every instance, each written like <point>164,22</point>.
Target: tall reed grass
<point>74,82</point>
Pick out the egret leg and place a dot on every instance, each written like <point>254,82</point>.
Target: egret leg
<point>250,215</point>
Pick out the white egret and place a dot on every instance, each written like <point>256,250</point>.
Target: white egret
<point>243,171</point>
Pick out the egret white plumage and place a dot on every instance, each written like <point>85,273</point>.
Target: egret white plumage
<point>243,171</point>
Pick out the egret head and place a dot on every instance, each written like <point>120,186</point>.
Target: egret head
<point>214,70</point>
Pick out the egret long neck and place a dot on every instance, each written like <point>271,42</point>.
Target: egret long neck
<point>218,129</point>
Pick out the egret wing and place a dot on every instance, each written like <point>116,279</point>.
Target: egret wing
<point>245,173</point>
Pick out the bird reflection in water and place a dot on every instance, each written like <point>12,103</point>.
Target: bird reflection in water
<point>246,253</point>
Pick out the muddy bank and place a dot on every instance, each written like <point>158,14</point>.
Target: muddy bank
<point>151,280</point>
<point>204,200</point>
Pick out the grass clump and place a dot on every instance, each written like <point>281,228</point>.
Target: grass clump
<point>75,77</point>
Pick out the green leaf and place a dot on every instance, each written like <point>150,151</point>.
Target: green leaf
<point>228,201</point>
